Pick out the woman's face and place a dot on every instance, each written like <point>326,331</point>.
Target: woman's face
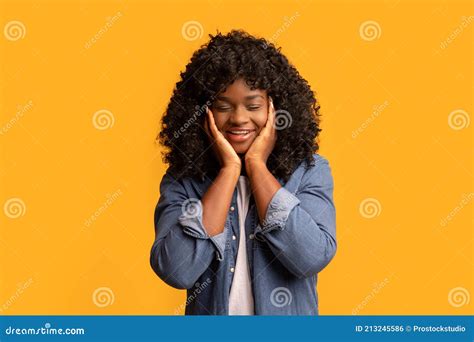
<point>240,113</point>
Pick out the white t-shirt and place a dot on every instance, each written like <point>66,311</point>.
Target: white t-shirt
<point>241,296</point>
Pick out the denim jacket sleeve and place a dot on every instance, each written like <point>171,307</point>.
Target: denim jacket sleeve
<point>182,249</point>
<point>301,229</point>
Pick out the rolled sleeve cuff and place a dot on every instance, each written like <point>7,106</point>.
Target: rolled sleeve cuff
<point>281,204</point>
<point>191,220</point>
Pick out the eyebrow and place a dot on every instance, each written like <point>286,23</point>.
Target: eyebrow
<point>250,97</point>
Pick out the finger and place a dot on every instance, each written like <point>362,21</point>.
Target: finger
<point>212,125</point>
<point>269,124</point>
<point>206,127</point>
<point>210,122</point>
<point>272,116</point>
<point>274,131</point>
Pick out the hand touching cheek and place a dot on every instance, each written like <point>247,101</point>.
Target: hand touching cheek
<point>264,143</point>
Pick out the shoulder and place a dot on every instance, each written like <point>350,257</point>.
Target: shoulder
<point>187,185</point>
<point>169,183</point>
<point>318,162</point>
<point>319,172</point>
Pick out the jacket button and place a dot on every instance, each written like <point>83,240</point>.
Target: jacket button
<point>251,236</point>
<point>234,237</point>
<point>232,208</point>
<point>232,269</point>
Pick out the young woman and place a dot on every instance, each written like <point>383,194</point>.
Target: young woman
<point>246,218</point>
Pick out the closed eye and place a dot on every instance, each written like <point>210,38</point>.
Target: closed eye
<point>222,109</point>
<point>253,108</point>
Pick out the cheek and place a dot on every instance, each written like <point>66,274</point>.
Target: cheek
<point>220,121</point>
<point>261,120</point>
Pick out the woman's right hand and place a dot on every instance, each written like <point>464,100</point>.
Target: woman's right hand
<point>222,148</point>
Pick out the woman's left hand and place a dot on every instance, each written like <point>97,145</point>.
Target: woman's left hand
<point>264,143</point>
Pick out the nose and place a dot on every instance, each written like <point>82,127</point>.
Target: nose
<point>239,116</point>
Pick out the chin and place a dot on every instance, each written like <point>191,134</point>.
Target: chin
<point>241,149</point>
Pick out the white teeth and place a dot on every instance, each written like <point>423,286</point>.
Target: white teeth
<point>239,132</point>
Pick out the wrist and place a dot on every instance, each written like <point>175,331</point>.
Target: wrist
<point>231,171</point>
<point>251,165</point>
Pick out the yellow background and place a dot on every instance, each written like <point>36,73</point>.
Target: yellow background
<point>408,155</point>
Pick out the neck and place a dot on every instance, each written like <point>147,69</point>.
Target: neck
<point>243,170</point>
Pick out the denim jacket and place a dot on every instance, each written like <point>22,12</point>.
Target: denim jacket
<point>296,240</point>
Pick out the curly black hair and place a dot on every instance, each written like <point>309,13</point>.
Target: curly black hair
<point>214,66</point>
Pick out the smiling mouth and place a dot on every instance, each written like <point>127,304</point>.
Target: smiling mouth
<point>240,132</point>
<point>240,135</point>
